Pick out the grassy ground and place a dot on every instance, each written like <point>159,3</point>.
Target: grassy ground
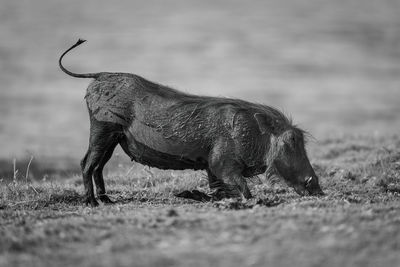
<point>356,224</point>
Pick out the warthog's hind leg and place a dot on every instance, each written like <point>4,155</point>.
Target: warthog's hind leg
<point>102,141</point>
<point>87,172</point>
<point>98,174</point>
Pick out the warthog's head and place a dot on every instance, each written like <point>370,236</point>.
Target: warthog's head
<point>288,157</point>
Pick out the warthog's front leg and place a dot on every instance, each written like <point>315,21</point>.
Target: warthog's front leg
<point>225,173</point>
<point>232,185</point>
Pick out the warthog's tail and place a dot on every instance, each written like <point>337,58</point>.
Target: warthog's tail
<point>77,75</point>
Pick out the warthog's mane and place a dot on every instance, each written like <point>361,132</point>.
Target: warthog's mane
<point>194,104</point>
<point>206,102</point>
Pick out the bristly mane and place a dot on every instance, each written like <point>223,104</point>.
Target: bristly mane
<point>205,102</point>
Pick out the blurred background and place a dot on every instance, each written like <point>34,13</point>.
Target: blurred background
<point>334,66</point>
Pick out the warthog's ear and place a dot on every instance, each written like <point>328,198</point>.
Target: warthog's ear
<point>263,123</point>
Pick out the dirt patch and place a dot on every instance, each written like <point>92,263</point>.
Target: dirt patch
<point>239,204</point>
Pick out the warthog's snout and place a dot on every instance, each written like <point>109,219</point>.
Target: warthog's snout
<point>312,187</point>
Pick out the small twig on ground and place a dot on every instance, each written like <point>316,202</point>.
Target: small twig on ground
<point>21,202</point>
<point>147,170</point>
<point>34,189</point>
<point>27,169</point>
<point>130,169</point>
<point>15,170</point>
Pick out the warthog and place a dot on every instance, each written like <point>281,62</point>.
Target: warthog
<point>161,127</point>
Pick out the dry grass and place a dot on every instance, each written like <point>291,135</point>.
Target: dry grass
<point>355,224</point>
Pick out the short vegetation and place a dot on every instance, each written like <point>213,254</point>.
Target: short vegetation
<point>43,222</point>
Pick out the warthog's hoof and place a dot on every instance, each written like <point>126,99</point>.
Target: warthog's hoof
<point>105,199</point>
<point>226,192</point>
<point>91,201</point>
<point>194,195</point>
<point>218,195</point>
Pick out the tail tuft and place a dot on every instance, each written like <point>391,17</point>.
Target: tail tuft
<point>80,41</point>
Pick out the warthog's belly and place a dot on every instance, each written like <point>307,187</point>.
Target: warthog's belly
<point>147,146</point>
<point>153,158</point>
<point>159,141</point>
